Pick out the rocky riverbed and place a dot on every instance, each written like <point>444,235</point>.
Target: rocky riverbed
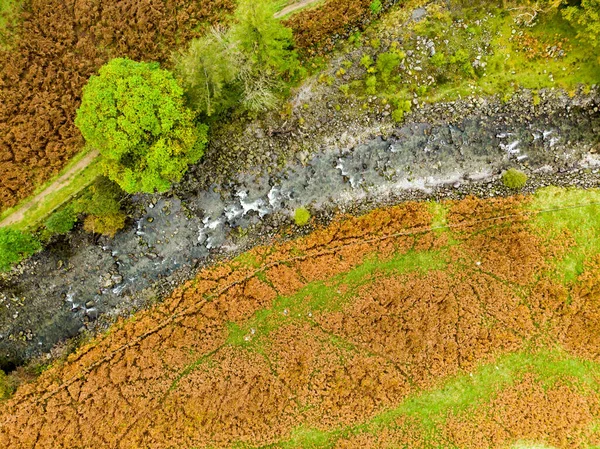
<point>81,283</point>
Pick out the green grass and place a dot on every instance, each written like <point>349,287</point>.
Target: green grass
<point>439,212</point>
<point>9,14</point>
<point>7,7</point>
<point>507,67</point>
<point>583,224</point>
<point>459,394</point>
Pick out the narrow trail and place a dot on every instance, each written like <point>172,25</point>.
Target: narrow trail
<point>291,8</point>
<point>61,182</point>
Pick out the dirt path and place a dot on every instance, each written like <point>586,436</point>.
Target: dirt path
<point>61,182</point>
<point>291,8</point>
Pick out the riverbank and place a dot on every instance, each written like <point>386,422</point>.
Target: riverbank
<point>81,283</point>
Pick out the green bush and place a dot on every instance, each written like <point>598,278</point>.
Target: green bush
<point>62,221</point>
<point>366,61</point>
<point>134,114</point>
<point>301,216</point>
<point>101,202</point>
<point>585,18</point>
<point>371,85</point>
<point>376,7</point>
<point>402,108</point>
<point>15,246</point>
<point>387,63</point>
<point>514,179</point>
<point>108,224</point>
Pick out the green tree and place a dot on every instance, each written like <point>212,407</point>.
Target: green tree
<point>265,43</point>
<point>248,64</point>
<point>266,49</point>
<point>586,20</point>
<point>208,71</point>
<point>62,221</point>
<point>15,246</point>
<point>134,114</point>
<point>101,202</point>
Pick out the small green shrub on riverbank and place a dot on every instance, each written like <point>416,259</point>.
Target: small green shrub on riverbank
<point>514,179</point>
<point>101,203</point>
<point>301,216</point>
<point>15,246</point>
<point>62,221</point>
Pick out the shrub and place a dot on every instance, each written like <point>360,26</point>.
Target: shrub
<point>371,85</point>
<point>585,18</point>
<point>402,108</point>
<point>15,246</point>
<point>376,7</point>
<point>301,216</point>
<point>134,114</point>
<point>366,61</point>
<point>514,179</point>
<point>108,224</point>
<point>62,221</point>
<point>386,63</point>
<point>101,202</point>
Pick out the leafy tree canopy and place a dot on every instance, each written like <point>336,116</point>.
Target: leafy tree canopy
<point>246,64</point>
<point>14,246</point>
<point>134,114</point>
<point>586,20</point>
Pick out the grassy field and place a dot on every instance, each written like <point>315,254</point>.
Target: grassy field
<point>472,51</point>
<point>423,325</point>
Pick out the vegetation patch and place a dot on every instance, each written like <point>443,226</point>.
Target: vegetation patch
<point>37,130</point>
<point>514,179</point>
<point>573,216</point>
<point>372,331</point>
<point>301,216</point>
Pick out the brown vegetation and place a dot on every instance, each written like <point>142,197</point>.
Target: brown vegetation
<point>317,29</point>
<point>172,377</point>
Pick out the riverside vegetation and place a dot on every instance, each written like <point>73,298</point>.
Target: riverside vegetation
<point>411,326</point>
